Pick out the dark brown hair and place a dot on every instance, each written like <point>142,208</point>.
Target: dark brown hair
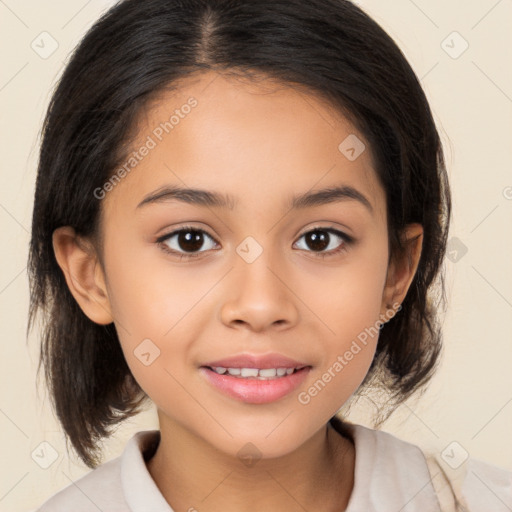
<point>138,49</point>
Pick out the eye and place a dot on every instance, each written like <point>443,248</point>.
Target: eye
<point>320,238</point>
<point>186,242</point>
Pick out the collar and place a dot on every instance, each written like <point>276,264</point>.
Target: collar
<point>389,474</point>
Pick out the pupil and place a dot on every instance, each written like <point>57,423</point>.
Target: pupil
<point>190,240</point>
<point>318,240</point>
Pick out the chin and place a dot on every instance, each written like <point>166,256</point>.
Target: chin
<point>267,440</point>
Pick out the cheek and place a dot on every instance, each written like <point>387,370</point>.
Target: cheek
<point>347,296</point>
<point>349,305</point>
<point>159,310</point>
<point>345,363</point>
<point>148,295</point>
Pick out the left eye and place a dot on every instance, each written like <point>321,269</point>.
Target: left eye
<point>322,241</point>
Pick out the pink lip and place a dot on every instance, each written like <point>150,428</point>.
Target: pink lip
<point>254,390</point>
<point>254,361</point>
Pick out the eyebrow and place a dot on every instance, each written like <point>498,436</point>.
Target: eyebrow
<point>212,199</point>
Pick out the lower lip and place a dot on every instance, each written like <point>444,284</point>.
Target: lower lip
<point>256,391</point>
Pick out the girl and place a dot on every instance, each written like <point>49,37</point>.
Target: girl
<point>241,213</point>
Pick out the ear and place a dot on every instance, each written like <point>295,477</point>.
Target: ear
<point>402,268</point>
<point>84,276</point>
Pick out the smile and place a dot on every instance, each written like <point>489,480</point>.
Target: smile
<point>259,373</point>
<point>255,385</point>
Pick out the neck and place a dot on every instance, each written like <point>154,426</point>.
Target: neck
<point>191,474</point>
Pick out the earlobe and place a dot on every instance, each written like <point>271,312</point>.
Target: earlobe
<point>401,271</point>
<point>85,279</point>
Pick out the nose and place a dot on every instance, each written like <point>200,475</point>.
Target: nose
<point>260,296</point>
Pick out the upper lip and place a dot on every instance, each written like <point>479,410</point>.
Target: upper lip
<point>256,361</point>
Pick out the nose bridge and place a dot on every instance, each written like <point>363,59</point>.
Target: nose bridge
<point>256,268</point>
<point>259,297</point>
<point>258,274</point>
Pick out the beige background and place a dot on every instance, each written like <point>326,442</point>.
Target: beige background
<point>469,401</point>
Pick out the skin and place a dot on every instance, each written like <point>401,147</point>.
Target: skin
<point>261,143</point>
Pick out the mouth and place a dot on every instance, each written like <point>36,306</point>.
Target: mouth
<point>256,379</point>
<point>256,373</point>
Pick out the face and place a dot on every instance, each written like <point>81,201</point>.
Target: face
<point>261,279</point>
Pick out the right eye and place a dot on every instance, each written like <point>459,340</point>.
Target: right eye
<point>184,242</point>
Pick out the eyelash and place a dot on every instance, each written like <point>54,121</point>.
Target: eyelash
<point>347,240</point>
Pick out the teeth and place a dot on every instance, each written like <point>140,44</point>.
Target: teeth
<point>249,372</point>
<point>261,374</point>
<point>268,372</point>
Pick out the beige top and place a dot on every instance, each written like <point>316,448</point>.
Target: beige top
<point>390,475</point>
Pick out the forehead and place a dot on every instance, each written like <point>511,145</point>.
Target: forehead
<point>247,139</point>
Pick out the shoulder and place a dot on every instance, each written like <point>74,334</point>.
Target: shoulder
<point>115,485</point>
<point>468,484</point>
<point>402,474</point>
<point>389,474</point>
<point>99,489</point>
